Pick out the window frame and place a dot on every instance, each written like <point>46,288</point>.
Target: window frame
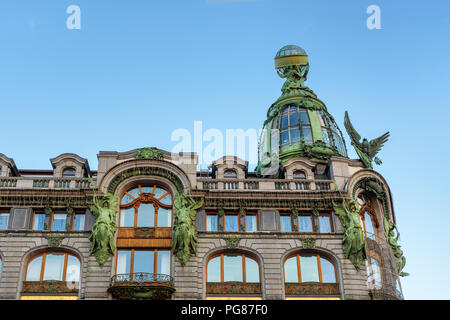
<point>6,212</point>
<point>155,259</point>
<point>290,221</point>
<point>299,171</point>
<point>50,225</point>
<point>206,221</point>
<point>230,213</point>
<point>63,174</point>
<point>251,213</point>
<point>310,215</point>
<point>367,207</point>
<point>319,267</point>
<point>147,199</point>
<point>73,220</point>
<point>42,271</point>
<point>222,267</point>
<point>330,220</point>
<point>235,174</point>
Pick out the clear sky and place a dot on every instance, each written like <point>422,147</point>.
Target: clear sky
<point>138,70</point>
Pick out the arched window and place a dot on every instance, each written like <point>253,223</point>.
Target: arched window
<point>59,266</point>
<point>233,267</point>
<point>295,126</point>
<point>299,175</point>
<point>368,216</point>
<point>309,267</point>
<point>69,172</point>
<point>230,174</point>
<point>330,133</point>
<point>146,206</point>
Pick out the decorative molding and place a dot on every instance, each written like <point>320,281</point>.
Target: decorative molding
<point>308,243</point>
<point>232,242</point>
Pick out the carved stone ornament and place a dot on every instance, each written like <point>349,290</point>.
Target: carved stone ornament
<point>149,153</point>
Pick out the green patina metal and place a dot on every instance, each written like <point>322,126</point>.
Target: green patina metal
<point>232,242</point>
<point>366,150</point>
<point>184,239</point>
<point>54,241</point>
<point>376,188</point>
<point>155,171</point>
<point>308,243</point>
<point>104,228</point>
<point>149,153</point>
<point>354,240</point>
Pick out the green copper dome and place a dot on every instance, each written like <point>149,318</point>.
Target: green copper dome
<point>298,123</point>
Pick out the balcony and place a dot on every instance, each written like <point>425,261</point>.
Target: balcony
<point>45,183</point>
<point>141,286</point>
<point>256,185</point>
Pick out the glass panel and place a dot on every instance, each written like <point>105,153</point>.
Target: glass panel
<point>307,135</point>
<point>123,261</point>
<point>290,270</point>
<point>305,224</point>
<point>251,270</point>
<point>230,174</point>
<point>327,268</point>
<point>304,117</point>
<point>39,219</point>
<point>250,222</point>
<point>167,199</point>
<point>211,222</point>
<point>214,270</point>
<point>368,223</point>
<point>59,222</point>
<point>231,223</point>
<point>54,267</point>
<point>308,268</point>
<point>135,192</point>
<point>159,192</point>
<point>126,199</point>
<point>299,175</point>
<point>284,120</point>
<point>4,219</point>
<point>376,273</point>
<point>325,136</point>
<point>284,137</point>
<point>324,224</point>
<point>147,189</point>
<point>146,215</point>
<point>232,269</point>
<point>143,261</point>
<point>295,134</point>
<point>34,269</point>
<point>163,262</point>
<point>127,217</point>
<point>73,269</point>
<point>69,172</point>
<point>285,222</point>
<point>293,117</point>
<point>164,217</point>
<point>78,222</point>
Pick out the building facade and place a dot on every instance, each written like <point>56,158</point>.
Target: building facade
<point>308,223</point>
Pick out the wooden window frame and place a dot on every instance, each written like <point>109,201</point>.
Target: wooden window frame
<point>290,220</point>
<point>368,208</point>
<point>146,198</point>
<point>250,213</point>
<point>155,259</point>
<point>51,220</point>
<point>206,221</point>
<point>230,213</point>
<point>222,267</point>
<point>319,266</point>
<point>312,222</point>
<point>44,255</point>
<point>73,220</point>
<point>32,220</point>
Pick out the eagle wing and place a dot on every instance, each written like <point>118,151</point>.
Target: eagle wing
<point>354,136</point>
<point>375,145</point>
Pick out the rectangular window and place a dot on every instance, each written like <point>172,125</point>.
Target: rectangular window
<point>4,220</point>
<point>251,222</point>
<point>78,221</point>
<point>211,222</point>
<point>325,223</point>
<point>309,269</point>
<point>231,222</point>
<point>59,221</point>
<point>305,223</point>
<point>38,221</point>
<point>285,223</point>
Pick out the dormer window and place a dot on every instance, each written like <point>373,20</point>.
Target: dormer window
<point>230,174</point>
<point>299,175</point>
<point>69,172</point>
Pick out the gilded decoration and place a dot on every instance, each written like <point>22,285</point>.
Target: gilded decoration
<point>232,288</point>
<point>49,286</point>
<point>311,289</point>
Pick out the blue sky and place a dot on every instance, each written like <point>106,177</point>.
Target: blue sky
<point>138,70</point>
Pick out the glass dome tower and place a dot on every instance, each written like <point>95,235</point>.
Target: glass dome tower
<point>298,123</point>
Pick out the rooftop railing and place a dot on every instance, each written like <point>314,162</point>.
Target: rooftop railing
<point>44,183</point>
<point>266,185</point>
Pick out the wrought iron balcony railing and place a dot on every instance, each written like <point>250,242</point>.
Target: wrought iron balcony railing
<point>141,278</point>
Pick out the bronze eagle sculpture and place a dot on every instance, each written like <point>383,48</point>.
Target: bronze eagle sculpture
<point>366,150</point>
